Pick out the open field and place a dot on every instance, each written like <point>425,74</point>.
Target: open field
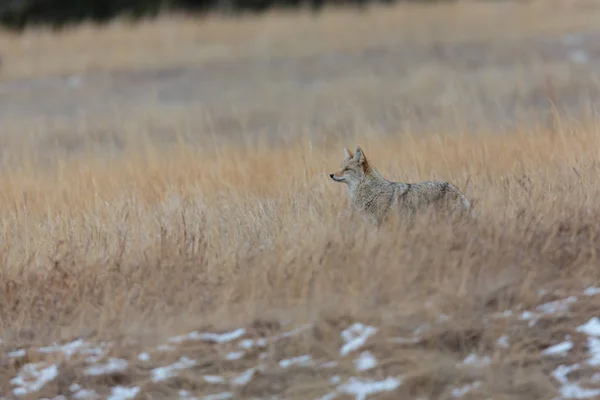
<point>169,229</point>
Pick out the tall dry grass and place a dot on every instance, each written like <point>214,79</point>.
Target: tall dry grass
<point>162,239</point>
<point>154,220</point>
<point>165,234</point>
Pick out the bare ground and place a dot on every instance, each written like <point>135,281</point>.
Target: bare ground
<point>169,229</point>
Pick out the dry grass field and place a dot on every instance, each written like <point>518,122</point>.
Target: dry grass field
<point>169,229</point>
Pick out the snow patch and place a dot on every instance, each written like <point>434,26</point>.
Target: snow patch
<point>218,396</point>
<point>304,360</point>
<point>562,371</point>
<point>215,379</point>
<point>235,355</point>
<point>112,366</point>
<point>366,360</point>
<point>243,378</point>
<point>475,360</point>
<point>185,395</point>
<point>123,393</point>
<point>210,337</point>
<point>592,327</point>
<point>570,390</point>
<point>355,337</point>
<point>574,391</point>
<point>362,388</point>
<point>33,377</point>
<point>594,349</point>
<point>67,349</point>
<point>144,357</point>
<point>250,343</point>
<point>17,353</point>
<point>503,342</point>
<point>402,340</point>
<point>85,394</point>
<point>163,373</point>
<point>552,307</point>
<point>591,291</point>
<point>557,306</point>
<point>560,349</point>
<point>461,391</point>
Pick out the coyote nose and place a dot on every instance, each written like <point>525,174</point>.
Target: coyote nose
<point>331,175</point>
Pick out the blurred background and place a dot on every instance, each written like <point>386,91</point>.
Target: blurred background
<point>164,166</point>
<point>243,69</point>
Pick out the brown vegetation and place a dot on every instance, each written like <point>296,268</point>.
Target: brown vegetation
<point>150,238</point>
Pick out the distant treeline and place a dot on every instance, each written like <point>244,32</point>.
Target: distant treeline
<point>20,13</point>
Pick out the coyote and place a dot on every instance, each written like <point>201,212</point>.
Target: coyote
<point>374,196</point>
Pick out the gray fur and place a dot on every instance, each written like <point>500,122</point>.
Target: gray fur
<point>374,196</point>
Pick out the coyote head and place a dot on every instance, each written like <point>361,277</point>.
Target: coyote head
<point>353,168</point>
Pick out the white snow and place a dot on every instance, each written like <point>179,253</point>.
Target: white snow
<point>235,355</point>
<point>123,393</point>
<point>218,396</point>
<point>85,394</point>
<point>402,340</point>
<point>475,360</point>
<point>162,373</point>
<point>592,327</point>
<point>552,307</point>
<point>243,378</point>
<point>591,291</point>
<point>74,387</point>
<point>560,349</point>
<point>111,366</point>
<point>213,379</point>
<point>78,346</point>
<point>250,343</point>
<point>166,347</point>
<point>185,395</point>
<point>570,390</point>
<point>594,349</point>
<point>529,316</point>
<point>67,349</point>
<point>262,342</point>
<point>211,337</point>
<point>366,360</point>
<point>33,377</point>
<point>461,391</point>
<point>574,391</point>
<point>329,364</point>
<point>195,335</point>
<point>557,306</point>
<point>562,371</point>
<point>503,342</point>
<point>355,337</point>
<point>144,357</point>
<point>300,360</point>
<point>362,388</point>
<point>17,353</point>
<point>329,396</point>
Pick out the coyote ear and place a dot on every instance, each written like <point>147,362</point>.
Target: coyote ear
<point>359,155</point>
<point>348,154</point>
